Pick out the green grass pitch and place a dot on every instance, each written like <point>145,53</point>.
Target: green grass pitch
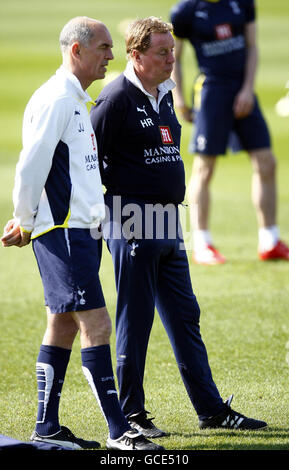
<point>244,303</point>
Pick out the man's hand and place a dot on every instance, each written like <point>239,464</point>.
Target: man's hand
<point>243,104</point>
<point>13,235</point>
<point>186,113</point>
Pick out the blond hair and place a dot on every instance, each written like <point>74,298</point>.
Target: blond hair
<point>138,35</point>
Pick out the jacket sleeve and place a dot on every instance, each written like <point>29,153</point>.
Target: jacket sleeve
<point>250,10</point>
<point>43,126</point>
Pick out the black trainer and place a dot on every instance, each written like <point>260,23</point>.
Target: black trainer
<point>144,425</point>
<point>66,439</point>
<point>132,440</point>
<point>230,419</point>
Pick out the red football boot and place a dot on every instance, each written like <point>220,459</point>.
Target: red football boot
<point>280,251</point>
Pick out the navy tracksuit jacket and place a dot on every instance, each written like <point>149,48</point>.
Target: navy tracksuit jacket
<point>142,170</point>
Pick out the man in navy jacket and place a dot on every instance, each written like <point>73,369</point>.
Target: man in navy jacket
<point>139,149</point>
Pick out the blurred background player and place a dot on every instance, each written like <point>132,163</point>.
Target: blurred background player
<point>223,35</point>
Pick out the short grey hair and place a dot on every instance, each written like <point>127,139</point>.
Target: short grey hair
<point>78,29</point>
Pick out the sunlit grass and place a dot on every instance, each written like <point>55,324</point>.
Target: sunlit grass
<point>244,303</point>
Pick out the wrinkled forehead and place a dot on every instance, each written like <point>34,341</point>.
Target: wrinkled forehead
<point>159,40</point>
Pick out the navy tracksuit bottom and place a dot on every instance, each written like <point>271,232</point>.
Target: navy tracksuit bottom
<point>152,271</point>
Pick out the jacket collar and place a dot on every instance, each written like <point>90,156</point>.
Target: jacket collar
<point>163,88</point>
<point>81,94</point>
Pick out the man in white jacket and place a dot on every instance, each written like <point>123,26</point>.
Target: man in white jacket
<point>57,200</point>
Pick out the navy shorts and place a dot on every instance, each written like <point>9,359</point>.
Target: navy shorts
<point>216,129</point>
<point>69,261</point>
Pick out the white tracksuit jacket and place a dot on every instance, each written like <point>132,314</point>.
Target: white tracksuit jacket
<point>57,182</point>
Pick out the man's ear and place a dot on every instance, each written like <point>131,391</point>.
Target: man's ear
<point>136,55</point>
<point>75,49</point>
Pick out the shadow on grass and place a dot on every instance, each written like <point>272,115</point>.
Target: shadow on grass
<point>252,440</point>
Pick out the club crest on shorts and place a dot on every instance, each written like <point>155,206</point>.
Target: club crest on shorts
<point>166,135</point>
<point>81,293</point>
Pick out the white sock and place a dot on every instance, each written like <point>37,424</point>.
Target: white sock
<point>268,237</point>
<point>202,238</point>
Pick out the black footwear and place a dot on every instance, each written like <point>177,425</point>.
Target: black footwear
<point>230,419</point>
<point>65,438</point>
<point>132,440</point>
<point>145,425</point>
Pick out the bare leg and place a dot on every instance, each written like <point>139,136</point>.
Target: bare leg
<point>264,186</point>
<point>61,330</point>
<point>199,202</point>
<point>198,191</point>
<point>94,326</point>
